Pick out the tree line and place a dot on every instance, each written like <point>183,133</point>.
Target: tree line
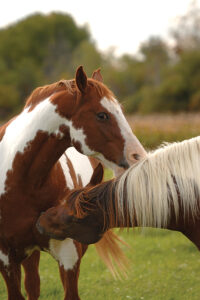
<point>41,49</point>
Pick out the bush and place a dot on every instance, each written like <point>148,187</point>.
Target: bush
<point>8,100</point>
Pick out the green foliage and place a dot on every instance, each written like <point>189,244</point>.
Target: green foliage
<point>45,48</point>
<point>35,36</point>
<point>87,53</point>
<point>9,96</point>
<point>177,90</point>
<point>194,103</point>
<point>35,51</point>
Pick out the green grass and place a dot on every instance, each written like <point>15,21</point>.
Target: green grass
<point>163,265</point>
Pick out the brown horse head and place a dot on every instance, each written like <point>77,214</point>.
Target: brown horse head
<point>73,219</point>
<point>96,123</point>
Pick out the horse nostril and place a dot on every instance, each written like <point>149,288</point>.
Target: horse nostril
<point>124,164</point>
<point>136,156</point>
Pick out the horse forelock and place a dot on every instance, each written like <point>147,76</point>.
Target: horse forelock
<point>101,89</point>
<point>91,200</point>
<point>167,181</point>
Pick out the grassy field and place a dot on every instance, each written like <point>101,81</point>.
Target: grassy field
<point>163,265</point>
<point>152,130</point>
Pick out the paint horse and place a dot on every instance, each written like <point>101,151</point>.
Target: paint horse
<point>161,191</point>
<point>82,113</point>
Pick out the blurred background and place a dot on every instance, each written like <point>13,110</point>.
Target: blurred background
<point>148,51</point>
<point>149,54</point>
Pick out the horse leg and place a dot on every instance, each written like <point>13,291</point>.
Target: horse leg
<point>70,277</point>
<point>70,281</point>
<point>32,278</point>
<point>11,272</point>
<point>68,253</point>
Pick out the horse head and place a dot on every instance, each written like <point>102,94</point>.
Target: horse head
<point>96,123</point>
<point>76,217</point>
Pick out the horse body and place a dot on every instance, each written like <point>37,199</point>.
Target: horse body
<point>55,117</point>
<point>162,191</point>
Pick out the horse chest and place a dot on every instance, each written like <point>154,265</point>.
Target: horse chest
<point>65,252</point>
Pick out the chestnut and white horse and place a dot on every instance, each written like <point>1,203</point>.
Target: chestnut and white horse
<point>82,113</point>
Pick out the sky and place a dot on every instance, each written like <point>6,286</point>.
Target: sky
<point>118,25</point>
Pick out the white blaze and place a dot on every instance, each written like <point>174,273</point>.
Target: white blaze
<point>114,108</point>
<point>131,141</point>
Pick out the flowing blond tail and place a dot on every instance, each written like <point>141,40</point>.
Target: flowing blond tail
<point>110,252</point>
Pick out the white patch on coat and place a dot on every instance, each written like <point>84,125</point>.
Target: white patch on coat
<point>78,135</point>
<point>64,252</point>
<point>4,258</point>
<point>132,144</point>
<point>81,163</point>
<point>66,172</point>
<point>22,130</point>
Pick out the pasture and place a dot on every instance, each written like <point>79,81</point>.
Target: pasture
<point>162,264</point>
<point>152,130</point>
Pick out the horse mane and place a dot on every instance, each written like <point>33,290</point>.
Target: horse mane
<point>112,255</point>
<point>89,199</point>
<point>165,181</point>
<point>46,91</point>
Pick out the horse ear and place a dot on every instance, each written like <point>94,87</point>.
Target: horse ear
<point>97,175</point>
<point>81,79</point>
<point>97,75</point>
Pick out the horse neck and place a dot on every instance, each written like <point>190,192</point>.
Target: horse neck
<point>115,210</point>
<point>32,143</point>
<point>126,217</point>
<point>99,201</point>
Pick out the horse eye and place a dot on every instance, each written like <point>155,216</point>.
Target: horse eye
<point>102,116</point>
